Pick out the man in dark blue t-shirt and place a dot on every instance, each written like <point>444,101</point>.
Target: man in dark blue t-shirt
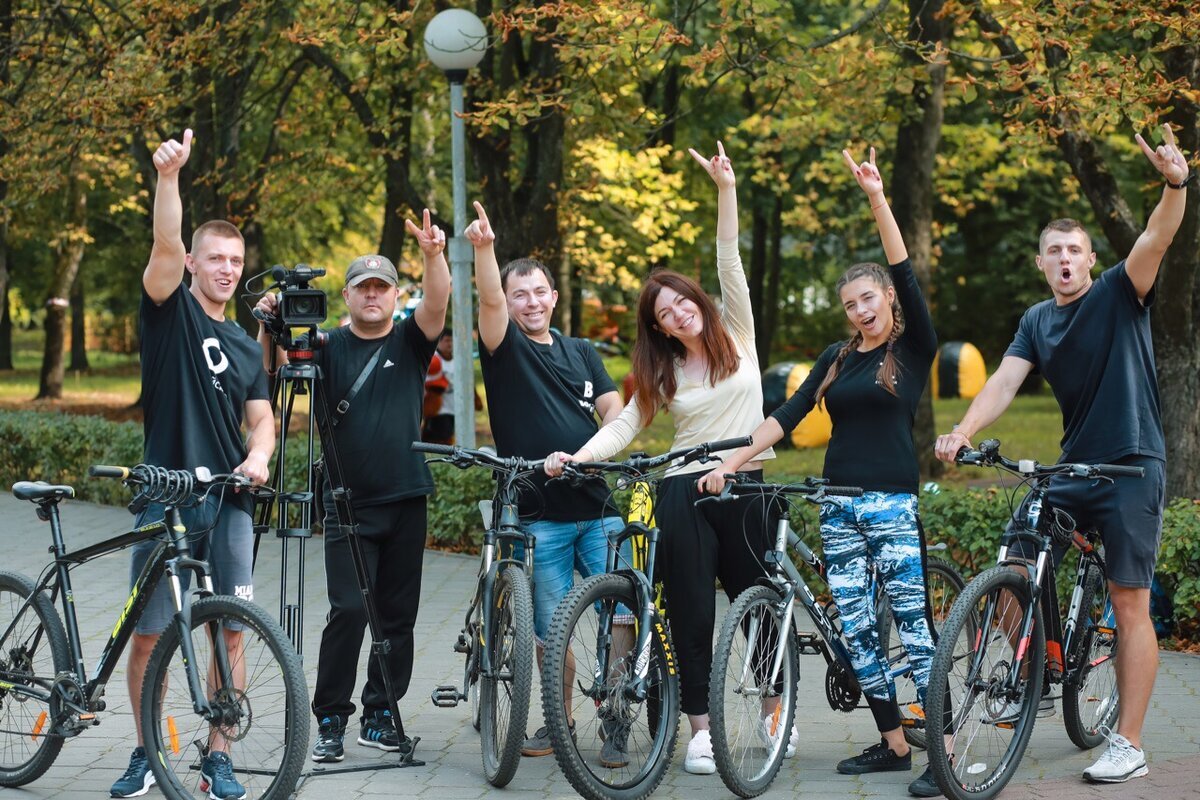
<point>1091,342</point>
<point>201,379</point>
<point>389,485</point>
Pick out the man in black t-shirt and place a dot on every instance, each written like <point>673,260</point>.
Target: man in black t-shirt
<point>388,482</point>
<point>1091,341</point>
<point>544,391</point>
<point>201,377</point>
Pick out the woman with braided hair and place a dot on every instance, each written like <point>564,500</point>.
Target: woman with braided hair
<point>871,384</point>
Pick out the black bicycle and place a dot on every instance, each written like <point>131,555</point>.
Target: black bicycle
<point>1005,637</point>
<point>754,681</point>
<point>222,676</point>
<point>610,686</point>
<point>497,634</point>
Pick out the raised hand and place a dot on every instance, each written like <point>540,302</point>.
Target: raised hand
<point>718,167</point>
<point>430,238</point>
<point>866,173</point>
<point>1167,157</point>
<point>170,156</point>
<point>479,233</point>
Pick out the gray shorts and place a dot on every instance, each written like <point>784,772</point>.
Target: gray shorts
<point>1128,513</point>
<point>228,548</point>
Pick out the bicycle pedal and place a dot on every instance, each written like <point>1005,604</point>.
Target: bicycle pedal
<point>447,696</point>
<point>461,645</point>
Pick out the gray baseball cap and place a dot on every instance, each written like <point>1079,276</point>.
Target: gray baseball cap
<point>365,267</point>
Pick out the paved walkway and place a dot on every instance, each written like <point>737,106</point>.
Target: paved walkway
<point>90,763</point>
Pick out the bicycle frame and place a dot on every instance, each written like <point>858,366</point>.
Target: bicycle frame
<point>169,559</point>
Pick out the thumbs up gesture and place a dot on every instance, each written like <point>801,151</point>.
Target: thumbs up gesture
<point>170,156</point>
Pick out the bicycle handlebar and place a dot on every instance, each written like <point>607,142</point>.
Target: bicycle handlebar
<point>814,489</point>
<point>173,487</point>
<point>462,458</point>
<point>638,464</point>
<point>105,471</point>
<point>988,455</point>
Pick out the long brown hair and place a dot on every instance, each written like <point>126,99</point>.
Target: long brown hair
<point>655,353</point>
<point>889,369</point>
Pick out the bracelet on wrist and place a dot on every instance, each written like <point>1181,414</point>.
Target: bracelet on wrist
<point>1191,176</point>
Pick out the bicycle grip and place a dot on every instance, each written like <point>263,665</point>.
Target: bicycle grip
<point>844,491</point>
<point>730,444</point>
<point>105,471</point>
<point>1120,471</point>
<point>430,447</point>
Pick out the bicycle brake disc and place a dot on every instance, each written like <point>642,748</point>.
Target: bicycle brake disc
<point>841,688</point>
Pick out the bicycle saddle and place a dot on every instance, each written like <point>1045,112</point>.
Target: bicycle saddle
<point>40,490</point>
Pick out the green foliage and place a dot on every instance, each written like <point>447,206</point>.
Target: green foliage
<point>454,519</point>
<point>1179,563</point>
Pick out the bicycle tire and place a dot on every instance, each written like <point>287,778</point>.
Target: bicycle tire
<point>25,756</point>
<point>266,731</point>
<point>944,585</point>
<point>583,617</point>
<point>748,760</point>
<point>504,698</point>
<point>989,729</point>
<point>1090,698</point>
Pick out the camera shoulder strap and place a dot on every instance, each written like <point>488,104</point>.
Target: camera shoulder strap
<point>344,405</point>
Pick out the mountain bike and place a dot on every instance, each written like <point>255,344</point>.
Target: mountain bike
<point>1005,637</point>
<point>222,676</point>
<point>754,680</point>
<point>610,685</point>
<point>497,633</point>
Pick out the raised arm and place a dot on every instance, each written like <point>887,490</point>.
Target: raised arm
<point>720,170</point>
<point>164,272</point>
<point>493,308</point>
<point>995,396</point>
<point>430,313</point>
<point>871,182</point>
<point>1147,254</point>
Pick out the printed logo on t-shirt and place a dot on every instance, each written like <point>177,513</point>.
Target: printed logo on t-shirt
<point>388,363</point>
<point>216,364</point>
<point>244,591</point>
<point>587,389</point>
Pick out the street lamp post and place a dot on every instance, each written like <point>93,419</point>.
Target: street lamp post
<point>455,41</point>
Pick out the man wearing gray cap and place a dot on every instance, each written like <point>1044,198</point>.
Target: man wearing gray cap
<point>388,484</point>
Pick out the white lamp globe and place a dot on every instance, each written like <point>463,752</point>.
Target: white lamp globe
<point>455,40</point>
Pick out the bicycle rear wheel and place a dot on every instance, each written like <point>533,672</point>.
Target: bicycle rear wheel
<point>989,724</point>
<point>943,586</point>
<point>32,653</point>
<point>625,728</point>
<point>1090,699</point>
<point>263,713</point>
<point>504,696</point>
<point>751,715</point>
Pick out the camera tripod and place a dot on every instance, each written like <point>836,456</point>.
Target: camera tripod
<point>293,512</point>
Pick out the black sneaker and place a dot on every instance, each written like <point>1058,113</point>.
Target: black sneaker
<point>330,733</point>
<point>615,736</point>
<point>379,731</point>
<point>876,758</point>
<point>925,786</point>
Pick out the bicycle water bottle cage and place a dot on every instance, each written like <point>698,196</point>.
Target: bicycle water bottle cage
<point>1061,527</point>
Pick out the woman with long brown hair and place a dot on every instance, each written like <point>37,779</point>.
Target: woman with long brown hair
<point>871,384</point>
<point>700,365</point>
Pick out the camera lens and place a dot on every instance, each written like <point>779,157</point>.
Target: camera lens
<point>305,306</point>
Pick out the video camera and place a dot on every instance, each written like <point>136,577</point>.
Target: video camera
<point>300,306</point>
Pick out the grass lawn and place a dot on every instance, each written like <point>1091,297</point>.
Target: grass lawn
<point>1030,429</point>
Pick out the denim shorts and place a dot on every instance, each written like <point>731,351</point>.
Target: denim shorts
<point>561,547</point>
<point>228,548</point>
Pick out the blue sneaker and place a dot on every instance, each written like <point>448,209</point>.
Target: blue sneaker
<point>137,779</point>
<point>379,731</point>
<point>330,732</point>
<point>216,777</point>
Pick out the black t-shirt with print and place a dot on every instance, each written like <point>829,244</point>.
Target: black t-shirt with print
<point>1097,356</point>
<point>374,438</point>
<point>541,398</point>
<point>197,374</point>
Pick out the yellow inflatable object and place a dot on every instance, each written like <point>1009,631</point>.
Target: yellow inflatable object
<point>780,382</point>
<point>958,371</point>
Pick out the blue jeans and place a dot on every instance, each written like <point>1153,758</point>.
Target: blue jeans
<point>561,548</point>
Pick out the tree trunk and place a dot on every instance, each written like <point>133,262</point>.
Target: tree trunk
<point>252,233</point>
<point>912,186</point>
<point>66,266</point>
<point>759,229</point>
<point>6,362</point>
<point>770,307</point>
<point>79,358</point>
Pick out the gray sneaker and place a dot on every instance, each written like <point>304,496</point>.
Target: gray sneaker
<point>539,744</point>
<point>615,736</point>
<point>1046,707</point>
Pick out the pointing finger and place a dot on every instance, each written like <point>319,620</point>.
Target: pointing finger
<point>720,149</point>
<point>412,228</point>
<point>850,162</point>
<point>872,156</point>
<point>425,220</point>
<point>1145,147</point>
<point>479,210</point>
<point>1168,135</point>
<point>701,160</point>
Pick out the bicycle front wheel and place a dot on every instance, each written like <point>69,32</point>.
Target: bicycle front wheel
<point>32,652</point>
<point>943,585</point>
<point>252,679</point>
<point>504,695</point>
<point>751,698</point>
<point>993,698</point>
<point>625,724</point>
<point>1090,699</point>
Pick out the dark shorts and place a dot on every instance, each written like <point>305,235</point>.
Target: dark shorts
<point>1128,513</point>
<point>228,548</point>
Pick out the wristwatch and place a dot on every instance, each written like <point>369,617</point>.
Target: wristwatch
<point>1191,176</point>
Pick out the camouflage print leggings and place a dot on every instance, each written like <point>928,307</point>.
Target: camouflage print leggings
<point>880,529</point>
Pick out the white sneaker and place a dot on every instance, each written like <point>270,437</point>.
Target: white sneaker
<point>768,730</point>
<point>699,759</point>
<point>1120,762</point>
